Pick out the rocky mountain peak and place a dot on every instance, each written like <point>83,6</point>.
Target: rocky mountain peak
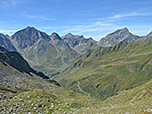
<point>29,27</point>
<point>150,34</point>
<point>118,36</point>
<point>28,30</point>
<point>28,36</point>
<point>69,35</point>
<point>119,31</point>
<point>90,38</point>
<point>125,29</point>
<point>55,36</point>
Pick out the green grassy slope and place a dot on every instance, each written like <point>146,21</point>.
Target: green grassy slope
<point>48,58</point>
<point>133,101</point>
<point>105,71</point>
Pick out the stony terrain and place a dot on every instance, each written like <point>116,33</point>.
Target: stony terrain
<point>60,100</point>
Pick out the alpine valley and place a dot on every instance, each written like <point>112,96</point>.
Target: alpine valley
<point>52,74</point>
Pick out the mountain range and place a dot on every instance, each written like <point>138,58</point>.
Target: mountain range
<point>42,51</point>
<point>112,75</point>
<point>52,53</point>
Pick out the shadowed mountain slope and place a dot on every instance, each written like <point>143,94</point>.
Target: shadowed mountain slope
<point>6,43</point>
<point>16,61</point>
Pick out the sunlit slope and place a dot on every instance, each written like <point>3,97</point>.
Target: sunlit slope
<point>105,71</point>
<point>133,101</point>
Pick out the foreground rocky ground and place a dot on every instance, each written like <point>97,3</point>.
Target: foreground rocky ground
<point>134,101</point>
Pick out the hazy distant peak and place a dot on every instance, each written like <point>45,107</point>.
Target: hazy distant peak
<point>69,34</point>
<point>118,36</point>
<point>125,29</point>
<point>150,34</point>
<point>90,38</point>
<point>30,28</point>
<point>54,35</point>
<point>82,36</point>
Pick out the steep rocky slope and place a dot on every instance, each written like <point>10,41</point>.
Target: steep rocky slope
<point>79,43</point>
<point>146,38</point>
<point>119,35</point>
<point>6,43</point>
<point>16,61</point>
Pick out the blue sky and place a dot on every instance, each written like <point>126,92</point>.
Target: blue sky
<point>91,18</point>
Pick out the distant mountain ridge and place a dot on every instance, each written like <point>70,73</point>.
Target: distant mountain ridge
<point>79,43</point>
<point>52,53</point>
<point>118,36</point>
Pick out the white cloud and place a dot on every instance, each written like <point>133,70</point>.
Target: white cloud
<point>8,4</point>
<point>13,3</point>
<point>96,26</point>
<point>95,30</point>
<point>95,37</point>
<point>40,17</point>
<point>8,32</point>
<point>118,17</point>
<point>140,29</point>
<point>131,14</point>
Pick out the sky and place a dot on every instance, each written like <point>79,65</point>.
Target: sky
<point>91,18</point>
